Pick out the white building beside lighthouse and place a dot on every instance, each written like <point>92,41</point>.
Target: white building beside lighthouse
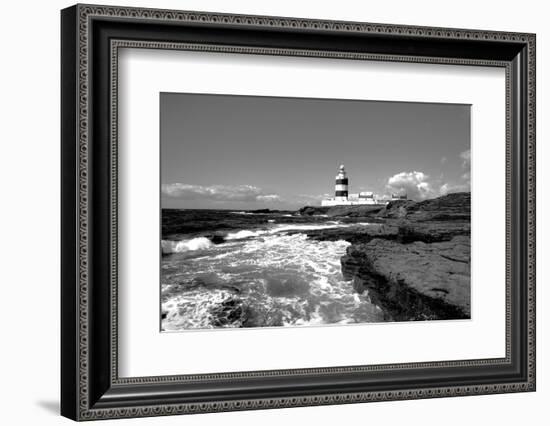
<point>343,198</point>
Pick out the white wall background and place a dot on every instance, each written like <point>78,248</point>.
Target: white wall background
<point>29,214</point>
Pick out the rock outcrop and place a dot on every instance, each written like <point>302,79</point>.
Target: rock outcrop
<point>355,234</point>
<point>431,232</point>
<point>413,281</point>
<point>446,208</point>
<point>450,207</point>
<point>341,211</point>
<point>402,232</point>
<point>415,265</point>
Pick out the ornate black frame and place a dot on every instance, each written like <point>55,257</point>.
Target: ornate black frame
<point>91,37</point>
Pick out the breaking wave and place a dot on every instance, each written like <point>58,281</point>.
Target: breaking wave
<point>239,235</point>
<point>199,243</point>
<point>308,227</point>
<point>261,278</point>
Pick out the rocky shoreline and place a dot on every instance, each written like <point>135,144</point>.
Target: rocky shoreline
<point>413,259</point>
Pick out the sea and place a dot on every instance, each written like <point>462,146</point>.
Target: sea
<point>235,269</point>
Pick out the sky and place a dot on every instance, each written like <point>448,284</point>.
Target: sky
<point>252,152</point>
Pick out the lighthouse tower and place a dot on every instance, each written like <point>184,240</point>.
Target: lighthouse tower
<point>341,187</point>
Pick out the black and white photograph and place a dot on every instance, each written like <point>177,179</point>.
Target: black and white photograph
<point>282,212</point>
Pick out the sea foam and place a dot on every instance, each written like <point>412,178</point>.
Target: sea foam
<point>199,243</point>
<point>239,235</point>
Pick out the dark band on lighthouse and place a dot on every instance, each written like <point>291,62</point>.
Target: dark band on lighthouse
<point>341,186</point>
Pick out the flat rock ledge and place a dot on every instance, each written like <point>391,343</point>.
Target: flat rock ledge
<point>413,258</point>
<point>416,281</point>
<point>402,231</point>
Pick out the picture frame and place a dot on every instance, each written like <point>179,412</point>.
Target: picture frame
<point>91,37</point>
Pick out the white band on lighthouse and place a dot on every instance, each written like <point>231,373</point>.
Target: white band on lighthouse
<point>340,187</point>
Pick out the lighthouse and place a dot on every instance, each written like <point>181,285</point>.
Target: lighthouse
<point>343,198</point>
<point>341,186</point>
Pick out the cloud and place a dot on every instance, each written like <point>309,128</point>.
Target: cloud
<point>269,198</point>
<point>466,162</point>
<point>308,197</point>
<point>242,193</point>
<point>464,182</point>
<point>300,200</point>
<point>465,155</point>
<point>415,184</point>
<point>419,186</point>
